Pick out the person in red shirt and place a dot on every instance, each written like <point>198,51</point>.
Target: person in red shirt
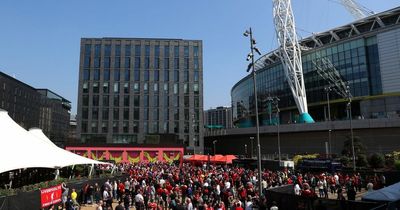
<point>238,206</point>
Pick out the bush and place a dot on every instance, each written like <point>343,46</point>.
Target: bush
<point>376,160</point>
<point>397,164</point>
<point>361,161</point>
<point>298,158</point>
<point>344,160</point>
<point>389,160</point>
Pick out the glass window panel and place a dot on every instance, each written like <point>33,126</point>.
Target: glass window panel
<point>116,100</point>
<point>106,88</point>
<point>166,51</point>
<point>137,50</point>
<point>118,50</point>
<point>106,74</point>
<point>128,50</point>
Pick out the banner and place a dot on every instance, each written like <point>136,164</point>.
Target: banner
<point>133,156</point>
<point>150,156</point>
<point>50,196</point>
<point>116,156</point>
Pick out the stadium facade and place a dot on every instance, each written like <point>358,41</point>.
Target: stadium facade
<point>366,53</point>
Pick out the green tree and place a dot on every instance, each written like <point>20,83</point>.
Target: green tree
<point>359,147</point>
<point>361,160</point>
<point>376,160</point>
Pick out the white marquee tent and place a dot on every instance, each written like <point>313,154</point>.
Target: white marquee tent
<point>21,149</point>
<point>68,158</point>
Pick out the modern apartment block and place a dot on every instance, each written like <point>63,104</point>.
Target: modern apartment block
<point>136,90</point>
<point>220,117</point>
<point>31,107</point>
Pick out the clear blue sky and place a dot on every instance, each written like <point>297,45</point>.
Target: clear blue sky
<point>39,40</point>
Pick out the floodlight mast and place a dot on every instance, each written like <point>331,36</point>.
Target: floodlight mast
<point>356,9</point>
<point>290,55</point>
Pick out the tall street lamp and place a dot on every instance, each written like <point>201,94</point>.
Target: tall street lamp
<point>251,145</point>
<point>328,90</point>
<point>351,126</point>
<point>276,102</point>
<point>250,56</point>
<point>215,148</point>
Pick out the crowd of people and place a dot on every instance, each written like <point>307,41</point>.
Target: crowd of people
<point>159,186</point>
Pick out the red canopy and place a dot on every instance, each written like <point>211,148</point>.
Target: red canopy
<point>219,159</point>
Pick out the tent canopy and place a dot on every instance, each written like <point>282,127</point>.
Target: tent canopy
<point>224,159</point>
<point>67,158</point>
<point>390,193</point>
<point>20,149</point>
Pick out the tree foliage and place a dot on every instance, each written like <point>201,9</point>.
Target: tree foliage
<point>376,160</point>
<point>359,147</point>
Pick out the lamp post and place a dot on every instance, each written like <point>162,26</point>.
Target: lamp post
<point>245,150</point>
<point>250,56</point>
<point>251,146</point>
<point>351,126</point>
<point>276,102</point>
<point>215,148</point>
<point>327,90</point>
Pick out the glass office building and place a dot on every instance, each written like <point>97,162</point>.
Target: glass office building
<point>135,90</point>
<point>365,53</point>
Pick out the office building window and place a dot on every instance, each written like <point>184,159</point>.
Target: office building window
<point>137,62</point>
<point>146,114</point>
<point>155,114</point>
<point>95,100</point>
<point>126,100</point>
<point>166,88</point>
<point>166,101</point>
<point>106,88</point>
<point>86,74</point>
<point>107,50</point>
<point>186,51</point>
<point>104,127</point>
<point>146,87</point>
<point>165,127</point>
<point>95,113</point>
<point>166,63</point>
<point>195,51</point>
<point>135,126</point>
<point>116,75</point>
<point>137,50</point>
<point>97,62</point>
<point>156,75</point>
<point>136,115</point>
<point>126,114</point>
<point>115,126</point>
<point>146,62</point>
<point>166,75</point>
<point>128,50</point>
<point>166,51</point>
<point>84,127</point>
<point>116,87</point>
<point>117,50</point>
<point>176,51</point>
<point>86,62</point>
<point>94,127</point>
<point>136,87</point>
<point>85,100</point>
<point>176,88</point>
<point>196,88</point>
<point>196,76</point>
<point>146,75</point>
<point>176,76</point>
<point>106,100</point>
<point>127,62</point>
<point>97,50</point>
<point>176,114</point>
<point>85,87</point>
<point>116,100</point>
<point>127,74</point>
<point>136,100</point>
<point>95,87</point>
<point>85,113</point>
<point>104,115</point>
<point>126,87</point>
<point>156,63</point>
<point>137,75</point>
<point>96,74</point>
<point>186,88</point>
<point>176,63</point>
<point>176,127</point>
<point>117,62</point>
<point>106,74</point>
<point>88,48</point>
<point>155,87</point>
<point>107,62</point>
<point>156,50</point>
<point>125,127</point>
<point>116,114</point>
